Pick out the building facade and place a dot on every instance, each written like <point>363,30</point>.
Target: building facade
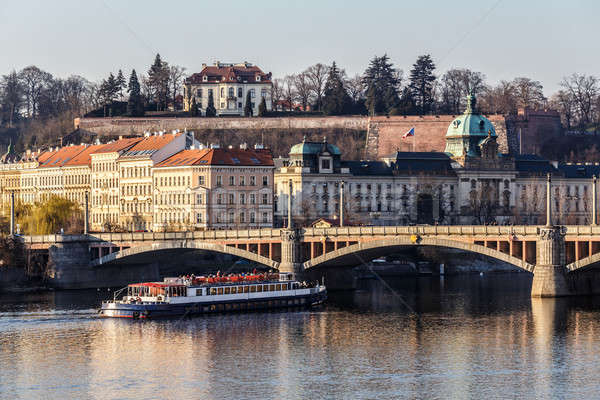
<point>229,85</point>
<point>472,182</point>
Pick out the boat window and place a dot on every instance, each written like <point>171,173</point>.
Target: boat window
<point>226,290</point>
<point>278,287</point>
<point>252,289</point>
<point>198,292</point>
<point>271,288</point>
<point>213,291</point>
<point>246,288</point>
<point>240,289</point>
<point>220,290</point>
<point>259,288</point>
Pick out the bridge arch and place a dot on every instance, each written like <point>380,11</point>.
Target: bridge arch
<point>376,246</point>
<point>193,244</point>
<point>586,262</point>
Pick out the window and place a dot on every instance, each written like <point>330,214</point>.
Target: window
<point>265,218</point>
<point>219,180</point>
<point>222,92</point>
<point>231,92</point>
<point>265,181</point>
<point>265,198</point>
<point>199,199</point>
<point>231,198</point>
<point>232,180</point>
<point>201,180</point>
<point>252,198</point>
<point>242,180</point>
<point>210,92</point>
<point>231,217</point>
<point>219,199</point>
<point>240,105</point>
<point>325,164</point>
<point>240,93</point>
<point>252,93</point>
<point>205,79</point>
<point>242,198</point>
<point>199,93</point>
<point>253,181</point>
<point>252,218</point>
<point>263,93</point>
<point>242,217</point>
<point>222,105</point>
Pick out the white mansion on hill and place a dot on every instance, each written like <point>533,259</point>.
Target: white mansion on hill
<point>469,183</point>
<point>229,85</point>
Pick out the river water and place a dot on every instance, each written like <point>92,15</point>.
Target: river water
<point>468,337</point>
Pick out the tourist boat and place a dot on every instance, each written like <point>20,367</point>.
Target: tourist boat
<point>197,295</point>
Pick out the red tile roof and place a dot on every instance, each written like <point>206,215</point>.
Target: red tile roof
<point>62,156</point>
<point>118,145</point>
<point>151,144</point>
<point>246,73</point>
<point>83,158</point>
<point>233,157</point>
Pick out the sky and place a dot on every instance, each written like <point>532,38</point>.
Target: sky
<point>504,39</point>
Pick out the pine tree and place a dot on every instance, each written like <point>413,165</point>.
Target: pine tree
<point>158,75</point>
<point>210,108</point>
<point>248,106</point>
<point>135,105</point>
<point>336,100</point>
<point>421,83</point>
<point>194,108</point>
<point>121,83</point>
<point>381,82</point>
<point>262,108</point>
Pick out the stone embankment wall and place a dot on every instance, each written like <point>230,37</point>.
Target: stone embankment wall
<point>384,134</point>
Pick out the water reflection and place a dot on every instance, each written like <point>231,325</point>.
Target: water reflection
<point>463,337</point>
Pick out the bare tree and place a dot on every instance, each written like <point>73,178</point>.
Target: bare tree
<point>564,102</point>
<point>34,80</point>
<point>303,89</point>
<point>584,90</point>
<point>317,76</point>
<point>455,85</point>
<point>356,88</point>
<point>11,92</point>
<point>176,75</point>
<point>277,94</point>
<point>289,91</point>
<point>528,93</point>
<point>499,99</point>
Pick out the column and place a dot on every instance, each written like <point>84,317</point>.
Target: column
<point>291,253</point>
<point>549,275</point>
<point>548,201</point>
<point>12,213</point>
<point>342,204</point>
<point>289,223</point>
<point>594,203</point>
<point>86,220</point>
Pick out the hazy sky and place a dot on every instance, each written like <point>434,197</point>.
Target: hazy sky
<point>541,39</point>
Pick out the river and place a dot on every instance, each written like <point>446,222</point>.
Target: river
<point>464,337</point>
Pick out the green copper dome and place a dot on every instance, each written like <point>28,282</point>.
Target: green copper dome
<point>314,148</point>
<point>467,131</point>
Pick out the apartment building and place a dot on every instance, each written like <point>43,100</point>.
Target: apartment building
<point>214,188</point>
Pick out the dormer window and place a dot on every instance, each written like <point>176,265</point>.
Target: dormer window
<point>325,164</point>
<point>205,78</point>
<point>257,78</point>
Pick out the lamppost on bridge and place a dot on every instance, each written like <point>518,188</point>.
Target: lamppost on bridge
<point>12,213</point>
<point>594,200</point>
<point>342,204</point>
<point>86,217</point>
<point>289,221</point>
<point>548,201</point>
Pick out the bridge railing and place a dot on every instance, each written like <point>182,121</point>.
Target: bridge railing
<point>471,230</point>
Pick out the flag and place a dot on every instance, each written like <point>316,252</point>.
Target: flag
<point>411,132</point>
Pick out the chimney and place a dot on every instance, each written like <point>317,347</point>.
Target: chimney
<point>244,146</point>
<point>120,137</point>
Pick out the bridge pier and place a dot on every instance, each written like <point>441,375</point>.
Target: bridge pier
<point>291,253</point>
<point>550,273</point>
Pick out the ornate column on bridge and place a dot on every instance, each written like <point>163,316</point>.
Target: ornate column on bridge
<point>549,274</point>
<point>291,253</point>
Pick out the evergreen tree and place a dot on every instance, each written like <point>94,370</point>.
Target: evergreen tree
<point>248,106</point>
<point>121,83</point>
<point>262,108</point>
<point>210,108</point>
<point>158,75</point>
<point>421,83</point>
<point>381,82</point>
<point>194,108</point>
<point>336,100</point>
<point>135,105</point>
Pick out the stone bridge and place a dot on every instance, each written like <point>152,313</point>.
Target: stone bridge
<point>555,255</point>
